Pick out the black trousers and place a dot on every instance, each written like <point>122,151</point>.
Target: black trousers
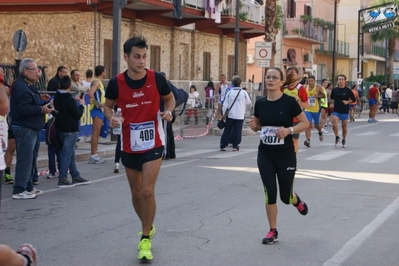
<point>232,133</point>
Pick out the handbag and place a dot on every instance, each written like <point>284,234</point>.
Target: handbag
<point>198,104</point>
<point>222,122</point>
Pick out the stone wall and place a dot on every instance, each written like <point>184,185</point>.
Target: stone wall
<point>76,40</point>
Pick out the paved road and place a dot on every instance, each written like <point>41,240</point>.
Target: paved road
<point>211,208</point>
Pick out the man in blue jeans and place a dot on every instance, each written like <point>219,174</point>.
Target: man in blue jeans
<point>67,126</point>
<point>27,120</point>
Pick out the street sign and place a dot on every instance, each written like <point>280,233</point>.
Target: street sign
<point>381,27</point>
<point>262,63</point>
<point>263,50</point>
<point>19,42</point>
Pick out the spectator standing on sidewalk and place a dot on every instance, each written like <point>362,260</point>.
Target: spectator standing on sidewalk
<point>27,121</point>
<point>89,76</point>
<point>192,99</point>
<point>394,100</point>
<point>373,97</point>
<point>236,100</point>
<point>209,100</point>
<point>97,99</point>
<point>54,83</point>
<point>10,139</point>
<point>389,91</point>
<point>76,86</point>
<point>384,98</point>
<point>3,124</point>
<point>67,125</point>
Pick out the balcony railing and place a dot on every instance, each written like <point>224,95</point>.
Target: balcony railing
<point>305,29</point>
<point>250,11</point>
<point>342,48</point>
<point>197,4</point>
<point>374,50</point>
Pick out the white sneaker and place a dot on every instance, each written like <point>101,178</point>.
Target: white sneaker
<point>36,192</point>
<point>24,195</point>
<point>324,131</point>
<point>116,168</point>
<point>95,159</point>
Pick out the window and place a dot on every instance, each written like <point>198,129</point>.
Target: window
<point>230,67</point>
<point>307,10</point>
<point>291,9</point>
<point>108,58</point>
<point>155,58</point>
<point>206,68</point>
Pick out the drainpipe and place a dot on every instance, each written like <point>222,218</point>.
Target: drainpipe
<point>94,28</point>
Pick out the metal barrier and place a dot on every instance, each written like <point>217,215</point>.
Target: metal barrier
<point>187,126</point>
<point>10,75</point>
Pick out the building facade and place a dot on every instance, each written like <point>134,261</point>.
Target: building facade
<point>306,40</point>
<point>186,42</point>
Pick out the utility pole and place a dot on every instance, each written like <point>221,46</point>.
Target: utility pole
<point>334,42</point>
<point>236,36</point>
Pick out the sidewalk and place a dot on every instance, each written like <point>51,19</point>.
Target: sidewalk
<point>106,148</point>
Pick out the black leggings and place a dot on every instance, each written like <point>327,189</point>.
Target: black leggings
<point>283,165</point>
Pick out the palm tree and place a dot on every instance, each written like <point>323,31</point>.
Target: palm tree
<point>270,25</point>
<point>392,34</point>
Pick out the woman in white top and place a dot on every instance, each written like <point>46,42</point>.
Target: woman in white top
<point>192,104</point>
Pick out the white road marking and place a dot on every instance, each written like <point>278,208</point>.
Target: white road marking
<point>329,155</point>
<point>368,133</point>
<point>194,152</point>
<point>378,157</point>
<point>229,153</point>
<point>356,242</point>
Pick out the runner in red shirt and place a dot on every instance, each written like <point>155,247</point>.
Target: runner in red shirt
<point>373,96</point>
<point>137,91</point>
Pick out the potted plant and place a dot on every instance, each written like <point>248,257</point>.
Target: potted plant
<point>329,25</point>
<point>306,18</point>
<point>317,21</point>
<point>296,31</point>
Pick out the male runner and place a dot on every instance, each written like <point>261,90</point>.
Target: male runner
<point>137,92</point>
<point>342,97</point>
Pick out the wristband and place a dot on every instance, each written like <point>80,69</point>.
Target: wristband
<point>292,130</point>
<point>168,112</point>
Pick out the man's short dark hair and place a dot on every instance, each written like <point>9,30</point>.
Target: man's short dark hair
<point>312,77</point>
<point>65,82</point>
<point>236,81</point>
<point>60,68</point>
<point>136,41</point>
<point>89,73</point>
<point>322,81</point>
<point>98,70</point>
<point>73,71</point>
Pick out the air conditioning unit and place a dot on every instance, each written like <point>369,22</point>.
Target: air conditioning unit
<point>307,58</point>
<point>250,59</point>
